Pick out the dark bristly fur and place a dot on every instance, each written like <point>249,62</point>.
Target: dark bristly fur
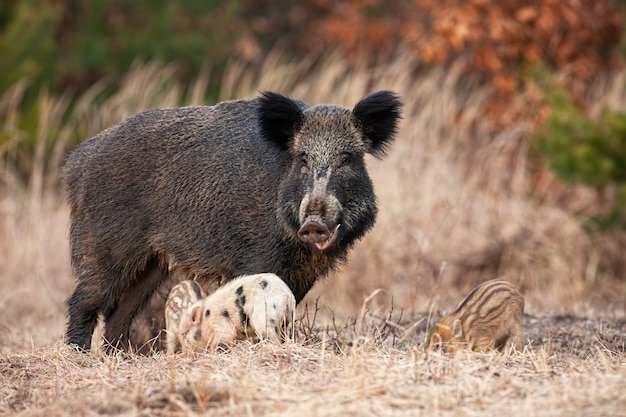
<point>280,118</point>
<point>377,115</point>
<point>490,317</point>
<point>211,193</point>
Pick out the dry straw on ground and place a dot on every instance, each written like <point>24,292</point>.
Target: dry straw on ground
<point>454,210</point>
<point>316,379</point>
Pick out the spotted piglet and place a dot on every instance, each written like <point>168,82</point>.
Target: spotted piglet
<point>254,307</point>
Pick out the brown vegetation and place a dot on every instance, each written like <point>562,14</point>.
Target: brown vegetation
<point>502,42</point>
<point>497,37</point>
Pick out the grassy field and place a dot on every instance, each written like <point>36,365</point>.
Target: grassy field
<point>456,208</point>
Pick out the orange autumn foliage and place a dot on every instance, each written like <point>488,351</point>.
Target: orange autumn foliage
<point>497,39</point>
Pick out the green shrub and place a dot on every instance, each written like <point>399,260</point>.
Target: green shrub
<point>27,47</point>
<point>70,45</point>
<point>591,151</point>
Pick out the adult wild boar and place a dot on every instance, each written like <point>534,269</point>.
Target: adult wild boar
<point>243,187</point>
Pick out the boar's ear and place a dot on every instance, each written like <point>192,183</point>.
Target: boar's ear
<point>377,116</point>
<point>279,118</point>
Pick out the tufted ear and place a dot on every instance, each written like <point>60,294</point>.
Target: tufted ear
<point>377,116</point>
<point>280,118</point>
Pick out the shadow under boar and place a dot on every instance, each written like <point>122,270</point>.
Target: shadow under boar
<point>243,187</point>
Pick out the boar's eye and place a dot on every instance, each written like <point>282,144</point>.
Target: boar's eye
<point>345,159</point>
<point>304,161</point>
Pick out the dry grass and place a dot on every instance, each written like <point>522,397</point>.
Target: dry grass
<point>455,209</point>
<point>313,380</point>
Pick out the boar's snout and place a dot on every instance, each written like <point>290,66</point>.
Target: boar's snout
<point>315,231</point>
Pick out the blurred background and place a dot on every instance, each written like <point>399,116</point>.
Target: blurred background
<point>511,160</point>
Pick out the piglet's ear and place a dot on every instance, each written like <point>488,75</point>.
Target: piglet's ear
<point>457,329</point>
<point>280,118</point>
<point>196,315</point>
<point>377,116</point>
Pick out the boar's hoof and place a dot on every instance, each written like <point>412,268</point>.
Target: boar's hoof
<point>314,231</point>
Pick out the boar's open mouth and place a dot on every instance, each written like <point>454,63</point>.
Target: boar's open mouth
<point>315,232</point>
<point>328,242</point>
